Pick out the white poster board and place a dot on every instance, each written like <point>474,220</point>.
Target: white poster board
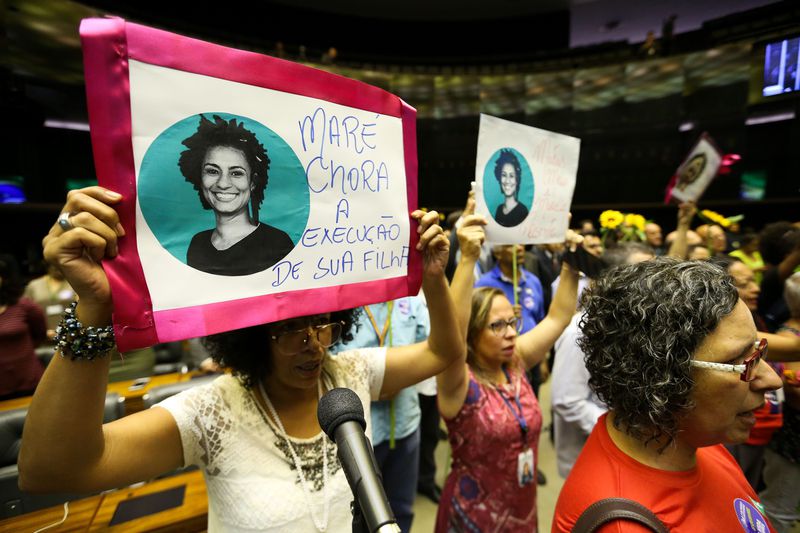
<point>524,181</point>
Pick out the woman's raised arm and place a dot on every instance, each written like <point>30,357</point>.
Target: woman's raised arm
<point>453,382</point>
<point>407,365</point>
<point>532,346</point>
<point>782,347</point>
<point>65,446</point>
<point>680,246</point>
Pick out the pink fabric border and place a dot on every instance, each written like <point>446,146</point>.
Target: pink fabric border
<point>177,324</point>
<point>409,118</point>
<point>105,59</point>
<point>108,43</point>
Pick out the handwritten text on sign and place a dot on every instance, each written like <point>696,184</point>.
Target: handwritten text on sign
<point>345,163</point>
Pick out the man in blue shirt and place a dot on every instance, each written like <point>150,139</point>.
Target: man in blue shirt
<point>395,422</point>
<point>530,295</point>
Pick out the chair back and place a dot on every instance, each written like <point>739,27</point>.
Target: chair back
<point>157,394</point>
<point>14,502</point>
<point>11,423</point>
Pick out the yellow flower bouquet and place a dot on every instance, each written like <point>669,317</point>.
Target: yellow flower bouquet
<point>610,219</point>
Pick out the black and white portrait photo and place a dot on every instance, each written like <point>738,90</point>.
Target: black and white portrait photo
<point>228,167</point>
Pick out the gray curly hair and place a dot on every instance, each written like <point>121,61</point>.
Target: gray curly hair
<point>641,327</point>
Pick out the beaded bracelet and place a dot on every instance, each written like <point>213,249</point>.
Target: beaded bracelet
<point>78,342</point>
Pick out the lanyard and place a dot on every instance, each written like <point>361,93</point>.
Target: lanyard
<point>382,334</point>
<point>523,424</point>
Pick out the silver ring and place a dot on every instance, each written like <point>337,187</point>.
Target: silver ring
<point>63,221</point>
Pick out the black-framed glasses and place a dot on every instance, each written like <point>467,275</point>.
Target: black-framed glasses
<point>295,341</point>
<point>746,370</point>
<point>499,327</point>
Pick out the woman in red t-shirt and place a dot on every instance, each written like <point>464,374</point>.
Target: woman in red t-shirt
<point>675,355</point>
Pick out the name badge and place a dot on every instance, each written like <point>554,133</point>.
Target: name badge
<point>526,473</point>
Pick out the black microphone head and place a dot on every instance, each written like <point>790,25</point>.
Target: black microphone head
<point>338,406</point>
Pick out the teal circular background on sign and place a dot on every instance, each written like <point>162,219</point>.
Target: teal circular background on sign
<point>171,206</point>
<point>492,194</point>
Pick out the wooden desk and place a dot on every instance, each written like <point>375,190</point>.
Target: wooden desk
<point>16,403</point>
<point>81,514</point>
<point>95,512</point>
<point>133,398</point>
<point>189,517</point>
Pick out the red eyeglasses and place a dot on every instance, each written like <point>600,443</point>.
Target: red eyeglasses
<point>746,370</point>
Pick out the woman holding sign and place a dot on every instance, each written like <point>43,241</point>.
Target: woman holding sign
<point>491,412</point>
<point>508,172</point>
<point>228,168</point>
<point>255,435</point>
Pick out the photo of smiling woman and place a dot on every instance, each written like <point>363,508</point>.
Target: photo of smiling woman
<point>508,172</point>
<point>228,167</point>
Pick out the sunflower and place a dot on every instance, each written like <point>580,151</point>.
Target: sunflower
<point>716,218</point>
<point>635,220</point>
<point>610,219</point>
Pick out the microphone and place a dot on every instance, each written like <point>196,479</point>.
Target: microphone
<point>341,417</point>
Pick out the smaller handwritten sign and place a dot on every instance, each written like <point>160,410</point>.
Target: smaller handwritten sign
<point>524,180</point>
<point>696,172</point>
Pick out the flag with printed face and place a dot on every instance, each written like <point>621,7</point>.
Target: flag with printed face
<point>696,172</point>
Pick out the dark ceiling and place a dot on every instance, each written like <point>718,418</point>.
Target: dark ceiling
<point>41,64</point>
<point>437,10</point>
<point>43,44</point>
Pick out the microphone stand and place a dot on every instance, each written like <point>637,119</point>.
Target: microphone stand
<point>360,525</point>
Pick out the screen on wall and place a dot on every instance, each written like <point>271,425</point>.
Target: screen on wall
<point>781,62</point>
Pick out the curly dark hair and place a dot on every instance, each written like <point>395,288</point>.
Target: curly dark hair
<point>641,327</point>
<point>231,134</point>
<point>507,157</point>
<point>246,351</point>
<point>777,240</point>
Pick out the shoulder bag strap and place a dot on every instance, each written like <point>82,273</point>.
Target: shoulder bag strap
<point>610,509</point>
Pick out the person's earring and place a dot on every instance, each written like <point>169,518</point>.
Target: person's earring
<point>253,218</point>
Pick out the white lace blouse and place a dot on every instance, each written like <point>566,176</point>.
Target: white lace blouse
<point>250,475</point>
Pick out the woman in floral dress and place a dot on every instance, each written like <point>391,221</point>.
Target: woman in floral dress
<point>492,415</point>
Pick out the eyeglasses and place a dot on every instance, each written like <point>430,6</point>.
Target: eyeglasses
<point>747,370</point>
<point>295,341</point>
<point>499,327</point>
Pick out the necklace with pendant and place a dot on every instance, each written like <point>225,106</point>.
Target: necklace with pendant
<point>321,525</point>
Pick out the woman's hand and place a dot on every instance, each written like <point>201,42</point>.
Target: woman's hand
<point>572,240</point>
<point>471,236</point>
<point>686,212</point>
<point>77,252</point>
<point>432,243</point>
<point>470,233</point>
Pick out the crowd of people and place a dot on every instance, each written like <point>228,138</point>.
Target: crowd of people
<point>655,346</point>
